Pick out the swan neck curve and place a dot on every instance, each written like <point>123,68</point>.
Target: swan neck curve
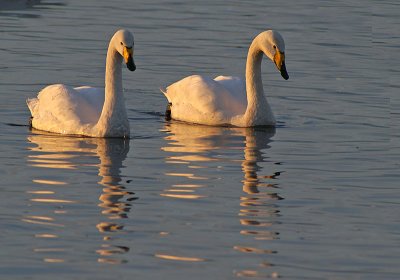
<point>113,120</point>
<point>257,106</point>
<point>113,79</point>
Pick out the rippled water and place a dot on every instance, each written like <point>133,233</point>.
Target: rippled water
<point>315,198</point>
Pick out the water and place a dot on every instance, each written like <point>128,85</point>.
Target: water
<point>315,198</point>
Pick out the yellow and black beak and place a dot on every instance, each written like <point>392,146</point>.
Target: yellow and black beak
<point>279,59</point>
<point>128,58</point>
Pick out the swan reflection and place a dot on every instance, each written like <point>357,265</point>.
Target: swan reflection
<point>195,147</point>
<point>191,148</point>
<point>75,157</point>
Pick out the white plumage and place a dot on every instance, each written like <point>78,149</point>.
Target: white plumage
<point>229,100</point>
<point>86,110</point>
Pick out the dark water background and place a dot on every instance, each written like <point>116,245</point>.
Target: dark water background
<point>316,198</point>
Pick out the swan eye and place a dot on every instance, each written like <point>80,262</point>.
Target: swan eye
<point>274,47</point>
<point>122,44</point>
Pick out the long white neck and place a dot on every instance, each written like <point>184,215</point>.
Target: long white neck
<point>258,110</point>
<point>113,120</point>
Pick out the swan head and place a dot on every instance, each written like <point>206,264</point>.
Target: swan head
<point>123,43</point>
<point>273,46</point>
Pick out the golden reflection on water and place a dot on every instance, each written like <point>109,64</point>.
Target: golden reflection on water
<point>191,146</point>
<point>48,260</point>
<point>198,146</point>
<point>49,182</point>
<point>179,258</point>
<point>46,235</point>
<point>51,152</point>
<point>259,211</point>
<point>35,220</point>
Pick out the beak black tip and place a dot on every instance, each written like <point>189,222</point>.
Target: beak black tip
<point>131,67</point>
<point>130,64</point>
<point>285,75</point>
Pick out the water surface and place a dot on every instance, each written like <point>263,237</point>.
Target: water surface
<point>315,198</point>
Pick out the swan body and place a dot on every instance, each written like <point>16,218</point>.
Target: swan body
<point>85,110</point>
<point>227,100</point>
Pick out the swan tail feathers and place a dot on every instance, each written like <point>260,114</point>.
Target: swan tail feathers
<point>32,104</point>
<point>165,91</point>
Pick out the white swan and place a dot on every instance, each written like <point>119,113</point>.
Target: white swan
<point>86,110</point>
<point>229,100</point>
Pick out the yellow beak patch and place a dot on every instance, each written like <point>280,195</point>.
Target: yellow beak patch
<point>128,52</point>
<point>279,59</point>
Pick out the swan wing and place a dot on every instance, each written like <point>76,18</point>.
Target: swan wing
<point>63,109</point>
<point>237,89</point>
<point>200,99</point>
<point>93,101</point>
<point>235,85</point>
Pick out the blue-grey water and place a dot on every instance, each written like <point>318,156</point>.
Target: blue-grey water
<point>316,198</point>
